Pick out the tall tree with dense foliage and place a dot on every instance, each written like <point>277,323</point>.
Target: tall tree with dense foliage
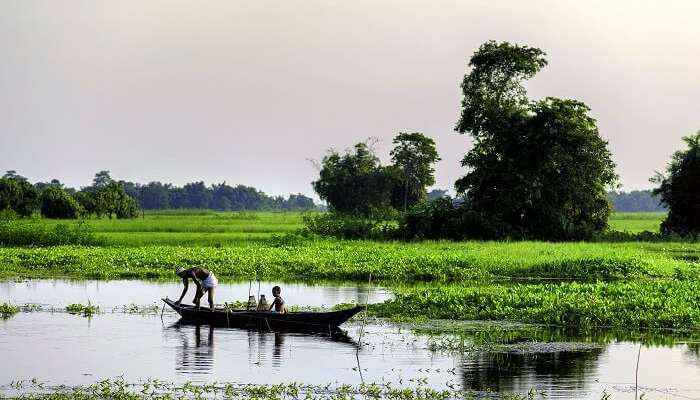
<point>108,197</point>
<point>355,182</point>
<point>56,203</point>
<point>414,155</point>
<point>116,201</point>
<point>537,169</point>
<point>680,190</point>
<point>18,195</point>
<point>101,179</point>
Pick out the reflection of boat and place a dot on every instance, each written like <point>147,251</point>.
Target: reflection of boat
<point>293,321</point>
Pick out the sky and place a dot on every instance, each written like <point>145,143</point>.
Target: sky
<point>247,92</point>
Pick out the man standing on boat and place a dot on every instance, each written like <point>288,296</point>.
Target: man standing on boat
<point>203,279</point>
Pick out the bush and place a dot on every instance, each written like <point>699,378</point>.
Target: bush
<point>8,214</point>
<point>56,203</point>
<point>441,219</point>
<point>29,233</point>
<point>348,227</point>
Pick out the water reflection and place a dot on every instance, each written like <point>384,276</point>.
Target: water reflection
<point>567,370</point>
<point>195,351</point>
<point>277,350</point>
<point>196,354</point>
<point>565,364</point>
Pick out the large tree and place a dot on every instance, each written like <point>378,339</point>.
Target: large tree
<point>56,203</point>
<point>680,190</point>
<point>414,155</point>
<point>18,195</point>
<point>537,169</point>
<point>355,182</point>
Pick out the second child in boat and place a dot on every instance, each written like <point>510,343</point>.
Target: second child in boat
<point>278,305</point>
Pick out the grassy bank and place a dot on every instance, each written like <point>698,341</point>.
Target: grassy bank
<point>346,260</point>
<point>630,304</point>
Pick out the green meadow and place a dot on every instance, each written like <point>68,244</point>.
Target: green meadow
<point>212,228</point>
<point>635,222</point>
<point>189,227</point>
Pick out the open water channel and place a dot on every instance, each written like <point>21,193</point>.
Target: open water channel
<point>60,348</point>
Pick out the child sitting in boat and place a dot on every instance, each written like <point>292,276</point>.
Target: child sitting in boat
<point>278,305</point>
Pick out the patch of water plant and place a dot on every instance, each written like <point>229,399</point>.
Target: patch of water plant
<point>138,309</point>
<point>85,310</point>
<point>7,310</point>
<point>119,389</point>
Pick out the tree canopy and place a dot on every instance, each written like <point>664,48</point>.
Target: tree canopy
<point>56,203</point>
<point>679,190</point>
<point>414,155</point>
<point>18,195</point>
<point>537,169</point>
<point>355,182</point>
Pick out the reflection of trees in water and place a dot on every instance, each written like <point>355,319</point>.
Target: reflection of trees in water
<point>692,352</point>
<point>568,370</point>
<point>196,355</point>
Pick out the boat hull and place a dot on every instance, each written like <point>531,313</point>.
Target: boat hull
<point>289,322</point>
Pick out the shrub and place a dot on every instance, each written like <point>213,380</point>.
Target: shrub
<point>56,203</point>
<point>8,214</point>
<point>441,219</point>
<point>31,233</point>
<point>348,227</point>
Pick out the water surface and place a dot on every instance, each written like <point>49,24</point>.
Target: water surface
<point>61,348</point>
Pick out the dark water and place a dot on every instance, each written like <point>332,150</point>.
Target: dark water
<point>60,348</point>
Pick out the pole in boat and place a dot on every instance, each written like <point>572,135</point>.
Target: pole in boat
<point>250,286</point>
<point>257,276</point>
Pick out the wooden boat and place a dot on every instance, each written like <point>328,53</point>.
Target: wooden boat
<point>262,320</point>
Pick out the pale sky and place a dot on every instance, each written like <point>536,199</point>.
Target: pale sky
<point>246,92</point>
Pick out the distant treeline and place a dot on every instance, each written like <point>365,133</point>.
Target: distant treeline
<point>222,197</point>
<point>636,200</point>
<point>122,199</point>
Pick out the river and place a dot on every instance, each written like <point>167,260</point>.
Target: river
<point>60,348</point>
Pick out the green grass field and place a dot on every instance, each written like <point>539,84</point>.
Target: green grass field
<point>635,222</point>
<point>211,228</point>
<point>191,227</point>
